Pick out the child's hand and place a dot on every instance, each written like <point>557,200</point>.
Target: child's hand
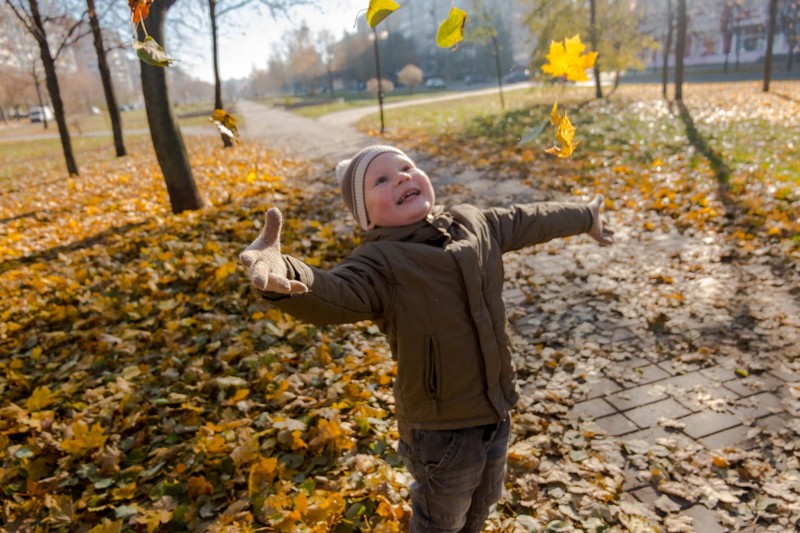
<point>599,231</point>
<point>263,259</point>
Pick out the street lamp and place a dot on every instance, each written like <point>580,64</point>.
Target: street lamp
<point>375,37</point>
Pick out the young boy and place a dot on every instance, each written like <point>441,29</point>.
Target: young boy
<point>431,278</point>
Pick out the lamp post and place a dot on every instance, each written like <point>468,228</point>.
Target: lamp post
<point>375,37</point>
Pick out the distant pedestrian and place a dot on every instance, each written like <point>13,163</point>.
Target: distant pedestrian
<point>431,278</point>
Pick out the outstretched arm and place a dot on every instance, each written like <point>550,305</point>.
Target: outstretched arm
<point>264,262</point>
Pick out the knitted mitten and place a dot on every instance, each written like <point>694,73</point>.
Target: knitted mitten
<point>264,262</point>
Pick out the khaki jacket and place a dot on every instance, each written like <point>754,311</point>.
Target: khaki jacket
<point>435,289</point>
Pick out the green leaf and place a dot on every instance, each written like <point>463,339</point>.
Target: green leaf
<point>451,30</point>
<point>151,53</point>
<point>379,10</point>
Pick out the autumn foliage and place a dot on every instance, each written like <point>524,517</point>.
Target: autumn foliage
<point>146,386</point>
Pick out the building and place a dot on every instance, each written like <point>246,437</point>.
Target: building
<point>718,32</point>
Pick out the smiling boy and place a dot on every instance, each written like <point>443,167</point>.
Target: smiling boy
<point>431,278</point>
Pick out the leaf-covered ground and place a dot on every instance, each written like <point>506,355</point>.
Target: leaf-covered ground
<point>146,387</point>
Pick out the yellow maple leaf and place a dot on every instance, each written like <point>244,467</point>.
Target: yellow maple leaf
<point>84,438</point>
<point>566,59</point>
<point>565,134</point>
<point>40,398</point>
<point>379,10</point>
<point>451,30</point>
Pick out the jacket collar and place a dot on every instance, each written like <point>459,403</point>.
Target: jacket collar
<point>428,229</point>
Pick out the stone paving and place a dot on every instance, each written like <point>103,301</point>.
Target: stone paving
<point>716,406</point>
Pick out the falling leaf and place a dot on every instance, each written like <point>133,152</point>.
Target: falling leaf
<point>451,30</point>
<point>379,10</point>
<point>566,59</point>
<point>151,53</point>
<point>140,9</point>
<point>565,133</point>
<point>225,123</point>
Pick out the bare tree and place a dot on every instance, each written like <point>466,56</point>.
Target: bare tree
<point>667,48</point>
<point>37,23</point>
<point>218,8</point>
<point>485,31</point>
<point>593,38</point>
<point>680,50</point>
<point>773,20</point>
<point>167,140</point>
<point>790,23</point>
<point>105,77</point>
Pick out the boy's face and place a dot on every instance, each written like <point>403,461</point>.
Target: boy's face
<point>396,192</point>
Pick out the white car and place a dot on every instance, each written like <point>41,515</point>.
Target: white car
<point>435,83</point>
<point>39,113</point>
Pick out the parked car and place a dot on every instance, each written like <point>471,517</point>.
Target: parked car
<point>516,76</point>
<point>477,79</point>
<point>39,113</point>
<point>435,83</point>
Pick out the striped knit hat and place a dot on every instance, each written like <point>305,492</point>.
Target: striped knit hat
<point>351,173</point>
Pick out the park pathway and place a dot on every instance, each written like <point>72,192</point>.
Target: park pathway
<point>716,387</point>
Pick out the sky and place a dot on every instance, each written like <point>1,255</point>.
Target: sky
<point>247,37</point>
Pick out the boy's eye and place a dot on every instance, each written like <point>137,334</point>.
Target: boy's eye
<point>381,179</point>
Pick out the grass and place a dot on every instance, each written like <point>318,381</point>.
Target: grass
<point>352,100</point>
<point>23,151</point>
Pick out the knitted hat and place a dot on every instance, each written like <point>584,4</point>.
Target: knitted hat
<point>351,173</point>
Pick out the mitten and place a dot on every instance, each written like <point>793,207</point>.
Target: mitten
<point>599,230</point>
<point>263,260</point>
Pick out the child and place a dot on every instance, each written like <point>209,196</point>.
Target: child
<point>431,278</point>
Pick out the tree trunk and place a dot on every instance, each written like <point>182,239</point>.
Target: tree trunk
<point>598,89</point>
<point>105,77</point>
<point>496,52</point>
<point>167,139</point>
<point>680,50</point>
<point>667,48</point>
<point>51,81</point>
<point>212,9</point>
<point>773,18</point>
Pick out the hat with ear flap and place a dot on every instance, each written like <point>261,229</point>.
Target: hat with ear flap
<point>351,174</point>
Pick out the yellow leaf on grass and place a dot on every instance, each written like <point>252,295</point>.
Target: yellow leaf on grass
<point>566,59</point>
<point>84,438</point>
<point>451,30</point>
<point>565,134</point>
<point>40,398</point>
<point>379,10</point>
<point>261,474</point>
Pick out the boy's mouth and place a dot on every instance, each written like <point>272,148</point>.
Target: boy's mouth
<point>407,195</point>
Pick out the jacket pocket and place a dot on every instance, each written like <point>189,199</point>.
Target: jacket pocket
<point>433,368</point>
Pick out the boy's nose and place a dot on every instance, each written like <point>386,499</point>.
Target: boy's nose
<point>402,177</point>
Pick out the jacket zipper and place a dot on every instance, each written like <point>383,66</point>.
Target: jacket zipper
<point>433,370</point>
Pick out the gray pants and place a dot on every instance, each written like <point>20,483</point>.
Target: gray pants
<point>458,476</point>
